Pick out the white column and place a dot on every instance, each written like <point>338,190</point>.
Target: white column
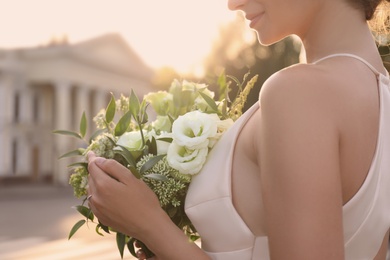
<point>24,147</point>
<point>26,105</point>
<point>46,158</point>
<point>6,109</point>
<point>62,96</point>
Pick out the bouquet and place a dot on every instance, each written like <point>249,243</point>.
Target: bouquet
<point>165,152</point>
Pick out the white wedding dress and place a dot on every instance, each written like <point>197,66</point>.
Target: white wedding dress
<point>366,217</point>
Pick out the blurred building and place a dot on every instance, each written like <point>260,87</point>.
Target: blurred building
<point>47,88</point>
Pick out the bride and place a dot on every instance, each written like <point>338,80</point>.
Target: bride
<point>304,173</point>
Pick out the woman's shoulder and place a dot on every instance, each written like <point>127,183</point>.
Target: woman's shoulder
<point>303,84</point>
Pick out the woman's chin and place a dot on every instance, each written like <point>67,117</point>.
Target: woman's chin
<point>266,39</point>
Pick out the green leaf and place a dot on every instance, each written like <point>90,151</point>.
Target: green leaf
<point>193,238</point>
<point>121,242</point>
<point>83,125</point>
<point>209,101</point>
<point>96,134</point>
<point>76,227</point>
<point>79,164</point>
<point>68,133</point>
<point>110,111</point>
<point>131,247</point>
<point>135,172</point>
<point>104,227</point>
<point>85,211</point>
<point>123,124</point>
<point>151,162</point>
<point>143,115</point>
<point>97,229</point>
<point>134,104</point>
<point>172,212</point>
<point>76,152</point>
<point>121,150</point>
<point>166,139</point>
<point>156,176</point>
<point>152,146</point>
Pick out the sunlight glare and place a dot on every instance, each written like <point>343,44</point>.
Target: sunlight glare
<point>172,33</point>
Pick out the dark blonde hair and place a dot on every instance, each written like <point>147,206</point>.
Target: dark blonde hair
<point>377,13</point>
<point>368,6</point>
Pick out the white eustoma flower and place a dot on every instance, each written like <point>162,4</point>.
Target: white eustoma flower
<point>132,140</point>
<point>161,101</point>
<point>162,123</point>
<point>222,126</point>
<point>194,129</point>
<point>185,160</point>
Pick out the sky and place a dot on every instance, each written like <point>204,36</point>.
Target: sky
<point>176,33</point>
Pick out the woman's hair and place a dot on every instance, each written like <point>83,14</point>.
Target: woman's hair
<point>377,13</point>
<point>368,6</point>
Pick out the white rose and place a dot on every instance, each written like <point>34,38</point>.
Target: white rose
<point>132,140</point>
<point>194,128</point>
<point>222,126</point>
<point>185,160</point>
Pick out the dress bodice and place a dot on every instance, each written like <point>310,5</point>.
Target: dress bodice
<point>366,217</point>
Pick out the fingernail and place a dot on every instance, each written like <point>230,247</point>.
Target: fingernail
<point>89,154</point>
<point>99,160</point>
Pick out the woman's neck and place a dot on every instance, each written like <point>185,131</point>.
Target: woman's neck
<point>338,28</point>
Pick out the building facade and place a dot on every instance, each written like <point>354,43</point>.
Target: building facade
<point>48,88</point>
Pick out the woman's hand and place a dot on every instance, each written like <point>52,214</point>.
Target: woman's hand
<point>119,200</point>
<point>128,205</point>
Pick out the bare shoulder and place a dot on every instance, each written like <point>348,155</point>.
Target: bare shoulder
<point>297,80</point>
<point>323,87</point>
<point>300,86</point>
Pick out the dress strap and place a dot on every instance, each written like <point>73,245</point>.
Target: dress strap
<point>377,73</point>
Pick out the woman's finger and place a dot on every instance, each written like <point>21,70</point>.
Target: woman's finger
<point>110,167</point>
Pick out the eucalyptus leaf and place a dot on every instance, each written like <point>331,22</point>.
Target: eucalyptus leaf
<point>104,227</point>
<point>68,133</point>
<point>96,134</point>
<point>151,162</point>
<point>134,104</point>
<point>85,211</point>
<point>152,146</point>
<point>123,124</point>
<point>111,140</point>
<point>97,229</point>
<point>166,139</point>
<point>110,111</point>
<point>135,172</point>
<point>156,176</point>
<point>125,154</point>
<point>76,152</point>
<point>76,227</point>
<point>83,125</point>
<point>121,242</point>
<point>144,116</point>
<point>210,102</point>
<point>193,238</point>
<point>131,247</point>
<point>79,164</point>
<point>172,212</point>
